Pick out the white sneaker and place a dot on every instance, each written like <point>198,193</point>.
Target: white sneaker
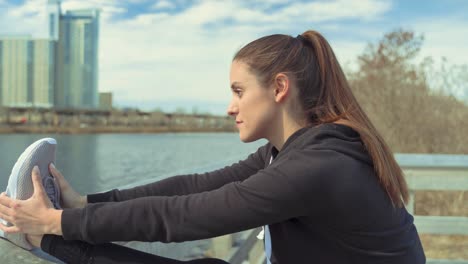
<point>20,186</point>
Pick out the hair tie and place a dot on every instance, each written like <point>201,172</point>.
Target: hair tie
<point>302,39</point>
<point>305,41</point>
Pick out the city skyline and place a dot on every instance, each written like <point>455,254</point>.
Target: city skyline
<point>172,54</point>
<point>59,70</point>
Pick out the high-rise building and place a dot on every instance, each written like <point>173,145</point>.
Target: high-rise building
<point>26,71</point>
<point>77,60</point>
<point>53,17</point>
<point>15,64</point>
<point>43,72</point>
<point>60,71</point>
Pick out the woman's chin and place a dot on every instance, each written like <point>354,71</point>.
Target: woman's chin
<point>247,138</point>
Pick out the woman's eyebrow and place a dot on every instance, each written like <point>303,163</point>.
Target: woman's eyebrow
<point>235,85</point>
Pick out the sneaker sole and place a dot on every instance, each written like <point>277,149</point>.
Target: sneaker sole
<point>20,186</point>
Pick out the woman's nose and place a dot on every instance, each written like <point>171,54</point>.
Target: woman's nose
<point>232,109</point>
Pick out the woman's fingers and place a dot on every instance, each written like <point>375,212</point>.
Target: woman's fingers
<point>58,176</point>
<point>5,210</point>
<point>9,229</point>
<point>54,171</point>
<point>69,197</point>
<point>39,192</point>
<point>6,204</point>
<point>5,213</point>
<point>37,183</point>
<point>6,201</point>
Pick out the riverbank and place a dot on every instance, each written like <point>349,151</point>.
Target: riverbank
<point>106,129</point>
<point>73,121</point>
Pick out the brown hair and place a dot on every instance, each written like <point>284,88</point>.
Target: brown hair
<point>324,95</point>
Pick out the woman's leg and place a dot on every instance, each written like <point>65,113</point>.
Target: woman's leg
<point>82,252</point>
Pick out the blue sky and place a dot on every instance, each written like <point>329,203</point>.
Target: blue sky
<point>169,54</point>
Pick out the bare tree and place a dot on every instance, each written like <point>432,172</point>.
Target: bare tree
<point>396,92</point>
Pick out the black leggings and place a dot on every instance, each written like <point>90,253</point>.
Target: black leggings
<point>80,252</point>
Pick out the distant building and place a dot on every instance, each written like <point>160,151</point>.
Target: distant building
<point>53,17</point>
<point>26,71</point>
<point>105,101</point>
<point>77,60</point>
<point>59,71</point>
<point>14,75</point>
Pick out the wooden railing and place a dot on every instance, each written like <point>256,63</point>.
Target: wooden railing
<point>437,173</point>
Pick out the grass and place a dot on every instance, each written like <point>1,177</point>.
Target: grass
<point>445,246</point>
<point>442,203</point>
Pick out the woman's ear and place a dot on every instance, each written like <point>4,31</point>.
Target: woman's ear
<point>281,87</point>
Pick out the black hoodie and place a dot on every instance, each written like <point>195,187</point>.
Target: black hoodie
<point>320,197</point>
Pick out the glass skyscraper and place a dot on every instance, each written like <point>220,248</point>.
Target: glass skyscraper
<point>76,76</point>
<point>60,71</point>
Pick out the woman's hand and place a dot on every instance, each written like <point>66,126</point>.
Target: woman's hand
<point>35,215</point>
<point>34,240</point>
<point>69,198</point>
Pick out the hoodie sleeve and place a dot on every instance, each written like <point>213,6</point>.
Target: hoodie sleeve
<point>189,184</point>
<point>267,197</point>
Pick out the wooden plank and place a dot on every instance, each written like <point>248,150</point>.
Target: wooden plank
<point>440,181</point>
<point>444,225</point>
<point>432,160</point>
<point>446,261</point>
<point>436,172</point>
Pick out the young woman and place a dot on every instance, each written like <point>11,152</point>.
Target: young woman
<point>326,187</point>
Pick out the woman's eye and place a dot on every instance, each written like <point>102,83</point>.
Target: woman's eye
<point>238,92</point>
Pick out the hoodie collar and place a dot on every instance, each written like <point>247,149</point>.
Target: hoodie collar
<point>301,131</point>
<point>298,133</point>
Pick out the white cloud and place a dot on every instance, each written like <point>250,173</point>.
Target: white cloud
<point>164,56</point>
<point>108,8</point>
<point>332,10</point>
<point>447,37</point>
<point>137,1</point>
<point>28,18</point>
<point>186,56</point>
<point>347,52</point>
<point>163,4</point>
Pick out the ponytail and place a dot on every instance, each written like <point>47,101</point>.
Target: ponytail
<point>325,95</point>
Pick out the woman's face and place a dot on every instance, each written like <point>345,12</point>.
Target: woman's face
<point>252,105</point>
